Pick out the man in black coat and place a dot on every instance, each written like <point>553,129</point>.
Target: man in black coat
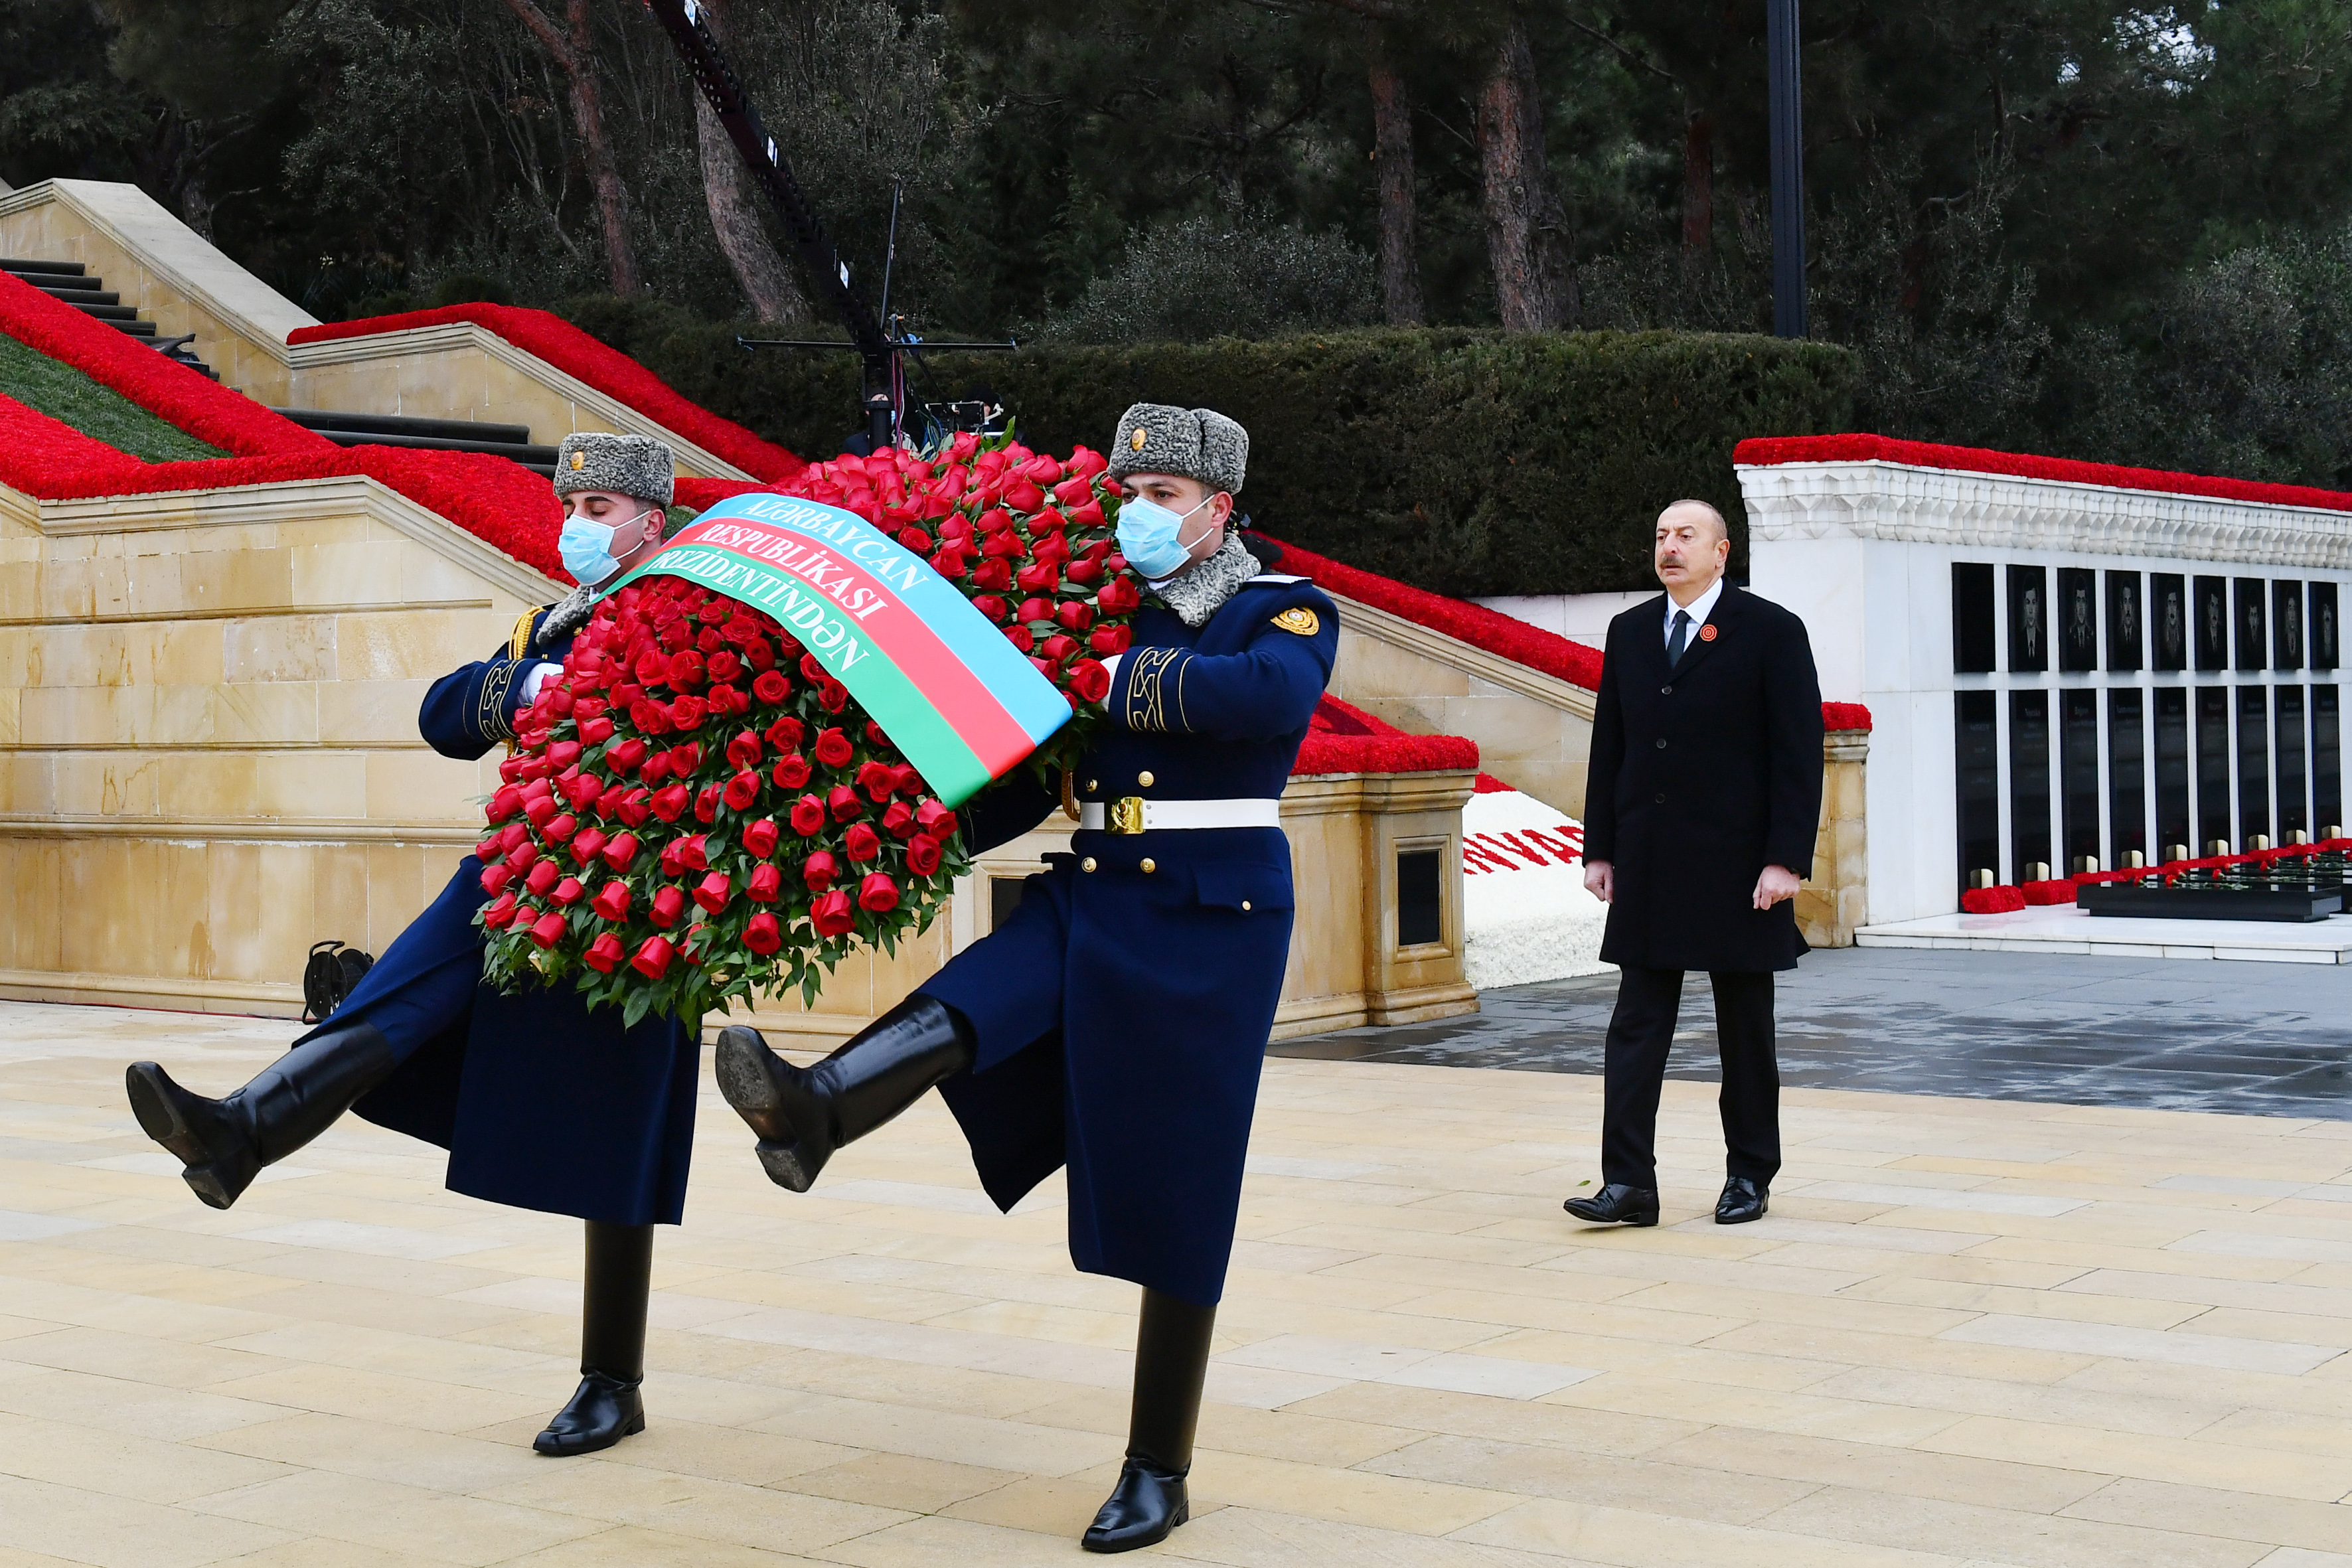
<point>1700,810</point>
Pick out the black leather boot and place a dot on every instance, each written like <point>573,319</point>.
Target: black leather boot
<point>804,1114</point>
<point>1172,1362</point>
<point>223,1144</point>
<point>608,1405</point>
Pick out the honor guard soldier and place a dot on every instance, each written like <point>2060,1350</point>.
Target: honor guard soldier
<point>1116,1020</point>
<point>541,1103</point>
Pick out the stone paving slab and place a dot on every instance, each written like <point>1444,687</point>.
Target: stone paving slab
<point>1971,1333</point>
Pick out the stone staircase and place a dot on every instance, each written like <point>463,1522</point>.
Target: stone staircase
<point>72,283</point>
<point>347,429</point>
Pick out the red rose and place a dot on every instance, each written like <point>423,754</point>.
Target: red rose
<point>724,666</point>
<point>624,757</point>
<point>713,891</point>
<point>519,858</point>
<point>843,801</point>
<point>502,913</point>
<point>495,878</point>
<point>1034,610</point>
<point>669,904</point>
<point>1085,574</point>
<point>687,712</point>
<point>763,935</point>
<point>808,815</point>
<point>907,780</point>
<point>791,772</point>
<point>621,851</point>
<point>694,852</point>
<point>786,734</point>
<point>948,561</point>
<point>604,954</point>
<point>1075,615</point>
<point>489,849</point>
<point>634,807</point>
<point>670,803</point>
<point>765,885</point>
<point>1090,681</point>
<point>819,870</point>
<point>862,842</point>
<point>877,780</point>
<point>1108,640</point>
<point>1086,514</point>
<point>1075,488</point>
<point>548,929</point>
<point>832,748</point>
<point>1019,637</point>
<point>914,539</point>
<point>560,827</point>
<point>511,769</point>
<point>596,731</point>
<point>757,653</point>
<point>686,669</point>
<point>992,576</point>
<point>874,735</point>
<point>936,819</point>
<point>832,696</point>
<point>1038,577</point>
<point>899,820</point>
<point>653,959</point>
<point>542,811</point>
<point>706,805</point>
<point>1058,646</point>
<point>542,877</point>
<point>613,902</point>
<point>923,855</point>
<point>1119,597</point>
<point>988,605</point>
<point>744,750</point>
<point>771,686</point>
<point>505,803</point>
<point>652,668</point>
<point>727,700</point>
<point>567,893</point>
<point>650,717</point>
<point>878,893</point>
<point>1022,496</point>
<point>760,838</point>
<point>587,847</point>
<point>994,519</point>
<point>832,915</point>
<point>562,754</point>
<point>742,791</point>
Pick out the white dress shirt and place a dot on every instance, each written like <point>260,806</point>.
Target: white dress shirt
<point>1698,610</point>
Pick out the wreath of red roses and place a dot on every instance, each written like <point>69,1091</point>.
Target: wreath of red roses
<point>695,810</point>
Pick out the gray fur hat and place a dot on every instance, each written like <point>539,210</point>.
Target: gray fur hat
<point>1192,442</point>
<point>635,466</point>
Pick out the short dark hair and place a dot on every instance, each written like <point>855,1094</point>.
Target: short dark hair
<point>1722,529</point>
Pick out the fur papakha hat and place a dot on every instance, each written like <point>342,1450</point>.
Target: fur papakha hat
<point>1191,443</point>
<point>635,466</point>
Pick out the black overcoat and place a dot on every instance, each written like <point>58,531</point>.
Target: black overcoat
<point>1702,775</point>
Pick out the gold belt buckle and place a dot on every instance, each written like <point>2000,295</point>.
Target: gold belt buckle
<point>1126,814</point>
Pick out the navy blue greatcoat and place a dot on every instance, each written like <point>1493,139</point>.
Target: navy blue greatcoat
<point>1122,1012</point>
<point>541,1103</point>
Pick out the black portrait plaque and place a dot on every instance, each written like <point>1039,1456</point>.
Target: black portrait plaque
<point>2127,621</point>
<point>2294,784</point>
<point>2209,612</point>
<point>1977,737</point>
<point>2029,617</point>
<point>2168,621</point>
<point>2327,760</point>
<point>2212,768</point>
<point>2324,628</point>
<point>1972,618</point>
<point>2126,775</point>
<point>2174,829</point>
<point>2286,625</point>
<point>2029,781</point>
<point>2078,619</point>
<point>2078,777</point>
<point>2253,765</point>
<point>2252,623</point>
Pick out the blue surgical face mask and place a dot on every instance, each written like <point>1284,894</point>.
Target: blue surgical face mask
<point>1151,538</point>
<point>587,546</point>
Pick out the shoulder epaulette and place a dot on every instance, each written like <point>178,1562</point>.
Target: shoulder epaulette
<point>519,644</point>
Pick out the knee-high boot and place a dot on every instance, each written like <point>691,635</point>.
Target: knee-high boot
<point>804,1114</point>
<point>608,1405</point>
<point>1172,1362</point>
<point>224,1142</point>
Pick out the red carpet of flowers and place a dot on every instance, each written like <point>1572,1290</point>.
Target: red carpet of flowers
<point>1342,739</point>
<point>1766,452</point>
<point>697,810</point>
<point>606,369</point>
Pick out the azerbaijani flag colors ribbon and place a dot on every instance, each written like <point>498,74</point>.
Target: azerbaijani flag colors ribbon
<point>962,702</point>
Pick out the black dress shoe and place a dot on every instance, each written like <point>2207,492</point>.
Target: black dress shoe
<point>1148,1502</point>
<point>1616,1203</point>
<point>604,1411</point>
<point>1743,1199</point>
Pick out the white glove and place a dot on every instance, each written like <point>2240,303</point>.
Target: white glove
<point>535,678</point>
<point>1111,664</point>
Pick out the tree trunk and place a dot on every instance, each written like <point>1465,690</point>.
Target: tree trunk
<point>726,188</point>
<point>1698,183</point>
<point>1523,214</point>
<point>576,55</point>
<point>1392,151</point>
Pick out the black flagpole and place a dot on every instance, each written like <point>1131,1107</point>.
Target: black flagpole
<point>1788,171</point>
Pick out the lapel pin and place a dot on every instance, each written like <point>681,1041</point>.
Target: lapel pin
<point>1706,632</point>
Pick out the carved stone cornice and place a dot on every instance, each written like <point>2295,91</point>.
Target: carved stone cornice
<point>1381,626</point>
<point>1901,503</point>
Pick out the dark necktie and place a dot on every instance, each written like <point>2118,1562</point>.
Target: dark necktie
<point>1679,640</point>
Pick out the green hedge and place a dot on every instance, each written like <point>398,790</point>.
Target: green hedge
<point>1465,462</point>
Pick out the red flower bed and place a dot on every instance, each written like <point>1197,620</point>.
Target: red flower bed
<point>1473,624</point>
<point>195,403</point>
<point>1342,739</point>
<point>1844,716</point>
<point>2003,900</point>
<point>606,369</point>
<point>1769,451</point>
<point>2056,890</point>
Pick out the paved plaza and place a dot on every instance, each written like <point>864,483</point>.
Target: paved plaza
<point>1971,1332</point>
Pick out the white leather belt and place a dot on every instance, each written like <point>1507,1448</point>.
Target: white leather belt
<point>1133,814</point>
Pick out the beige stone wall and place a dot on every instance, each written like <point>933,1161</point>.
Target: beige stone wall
<point>208,747</point>
<point>1836,901</point>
